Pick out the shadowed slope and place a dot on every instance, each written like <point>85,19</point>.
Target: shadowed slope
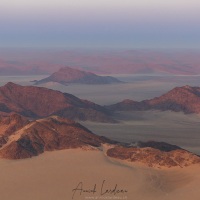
<point>10,124</point>
<point>185,99</point>
<point>48,134</point>
<point>42,102</point>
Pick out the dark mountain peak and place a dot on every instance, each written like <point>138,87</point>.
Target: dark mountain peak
<point>67,75</point>
<point>180,99</point>
<point>11,85</point>
<point>126,105</point>
<point>190,90</point>
<point>36,102</point>
<point>184,90</point>
<point>71,70</point>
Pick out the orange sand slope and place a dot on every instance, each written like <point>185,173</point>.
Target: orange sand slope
<point>54,175</point>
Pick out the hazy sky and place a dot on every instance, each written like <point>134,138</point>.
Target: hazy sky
<point>100,23</point>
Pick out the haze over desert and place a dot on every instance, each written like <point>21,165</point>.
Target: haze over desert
<point>58,175</point>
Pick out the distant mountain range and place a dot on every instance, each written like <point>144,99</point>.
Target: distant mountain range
<point>180,99</point>
<point>37,102</point>
<point>67,75</point>
<point>138,61</point>
<point>35,119</point>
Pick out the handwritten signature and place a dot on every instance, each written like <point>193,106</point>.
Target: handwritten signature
<point>79,189</point>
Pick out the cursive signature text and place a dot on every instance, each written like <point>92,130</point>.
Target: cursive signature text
<point>102,190</point>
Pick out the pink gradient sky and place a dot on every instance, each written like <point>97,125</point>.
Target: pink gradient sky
<point>89,23</point>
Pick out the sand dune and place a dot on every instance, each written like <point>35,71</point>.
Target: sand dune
<point>53,176</point>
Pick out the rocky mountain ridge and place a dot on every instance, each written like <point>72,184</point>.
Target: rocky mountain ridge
<point>47,134</point>
<point>154,154</point>
<point>68,75</point>
<point>180,99</point>
<point>37,102</point>
<point>24,138</point>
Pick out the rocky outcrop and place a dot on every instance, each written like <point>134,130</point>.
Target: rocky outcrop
<point>36,102</point>
<point>154,154</point>
<point>162,146</point>
<point>22,138</point>
<point>181,99</point>
<point>10,124</point>
<point>67,75</point>
<point>49,134</point>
